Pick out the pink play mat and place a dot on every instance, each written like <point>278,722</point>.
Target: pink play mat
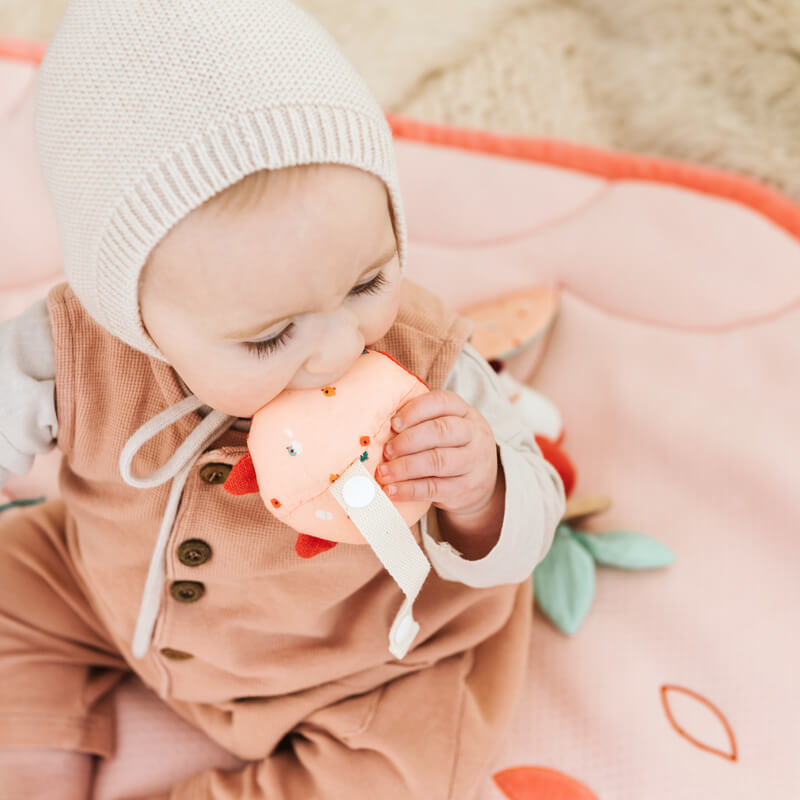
<point>675,363</point>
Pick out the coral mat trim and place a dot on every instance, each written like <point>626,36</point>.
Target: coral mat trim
<point>608,164</point>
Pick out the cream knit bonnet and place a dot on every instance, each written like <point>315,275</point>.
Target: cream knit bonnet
<point>147,108</point>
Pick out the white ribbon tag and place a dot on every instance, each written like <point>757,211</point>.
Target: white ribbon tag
<point>386,532</point>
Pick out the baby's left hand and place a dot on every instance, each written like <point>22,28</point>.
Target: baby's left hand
<point>444,451</point>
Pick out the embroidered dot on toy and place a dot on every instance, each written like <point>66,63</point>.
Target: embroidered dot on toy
<point>293,448</point>
<point>330,494</point>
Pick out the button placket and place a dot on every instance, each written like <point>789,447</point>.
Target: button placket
<point>193,553</point>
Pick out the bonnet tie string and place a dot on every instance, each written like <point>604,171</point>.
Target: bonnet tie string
<point>177,468</point>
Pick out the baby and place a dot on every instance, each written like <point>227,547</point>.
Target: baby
<point>231,226</point>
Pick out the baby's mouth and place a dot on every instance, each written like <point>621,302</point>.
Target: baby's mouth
<point>323,383</point>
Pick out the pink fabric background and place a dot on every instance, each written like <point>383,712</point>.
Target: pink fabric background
<point>674,362</point>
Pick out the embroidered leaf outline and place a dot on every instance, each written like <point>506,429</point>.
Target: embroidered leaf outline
<point>540,783</point>
<point>732,755</point>
<point>563,583</point>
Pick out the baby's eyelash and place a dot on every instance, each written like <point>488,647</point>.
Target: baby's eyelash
<point>268,346</point>
<point>373,287</point>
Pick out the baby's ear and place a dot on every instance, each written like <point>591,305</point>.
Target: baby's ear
<point>242,479</point>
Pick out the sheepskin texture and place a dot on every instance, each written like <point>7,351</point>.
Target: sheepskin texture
<point>711,81</point>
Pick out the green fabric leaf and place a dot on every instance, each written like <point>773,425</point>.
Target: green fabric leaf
<point>563,583</point>
<point>625,549</point>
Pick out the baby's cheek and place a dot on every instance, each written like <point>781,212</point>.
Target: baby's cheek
<point>377,323</point>
<point>235,384</point>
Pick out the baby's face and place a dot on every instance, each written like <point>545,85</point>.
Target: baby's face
<point>284,294</point>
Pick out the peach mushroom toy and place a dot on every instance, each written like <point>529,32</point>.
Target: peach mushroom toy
<point>312,455</point>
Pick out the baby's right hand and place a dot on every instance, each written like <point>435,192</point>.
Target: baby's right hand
<point>45,774</point>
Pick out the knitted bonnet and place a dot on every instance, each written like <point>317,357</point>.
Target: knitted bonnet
<point>147,108</point>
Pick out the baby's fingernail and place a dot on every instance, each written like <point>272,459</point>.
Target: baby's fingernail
<point>382,470</point>
<point>397,423</point>
<point>391,489</point>
<point>388,451</point>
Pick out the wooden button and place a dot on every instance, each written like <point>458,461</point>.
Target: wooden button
<point>215,473</point>
<point>175,655</point>
<point>187,591</point>
<point>194,552</point>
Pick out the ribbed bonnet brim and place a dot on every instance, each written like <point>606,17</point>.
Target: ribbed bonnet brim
<point>146,110</point>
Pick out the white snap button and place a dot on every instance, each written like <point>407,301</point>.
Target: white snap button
<point>403,630</point>
<point>358,492</point>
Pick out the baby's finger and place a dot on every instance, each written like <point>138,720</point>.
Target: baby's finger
<point>446,491</point>
<point>439,432</point>
<point>437,403</point>
<point>423,489</point>
<point>439,461</point>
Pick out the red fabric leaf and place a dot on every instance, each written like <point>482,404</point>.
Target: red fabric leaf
<point>553,453</point>
<point>540,783</point>
<point>242,479</point>
<point>309,546</point>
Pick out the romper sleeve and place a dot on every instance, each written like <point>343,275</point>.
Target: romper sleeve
<point>28,423</point>
<point>535,498</point>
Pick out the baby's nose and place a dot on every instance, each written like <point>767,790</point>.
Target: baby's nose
<point>340,345</point>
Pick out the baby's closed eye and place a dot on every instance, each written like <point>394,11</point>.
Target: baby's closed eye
<point>268,346</point>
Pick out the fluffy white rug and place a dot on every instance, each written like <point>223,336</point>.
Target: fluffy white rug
<point>711,81</point>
